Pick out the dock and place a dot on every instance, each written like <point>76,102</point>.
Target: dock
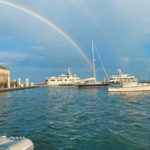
<point>20,88</point>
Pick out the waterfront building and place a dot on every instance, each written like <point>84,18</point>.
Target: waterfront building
<point>4,77</point>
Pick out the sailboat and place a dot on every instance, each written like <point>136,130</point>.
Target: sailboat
<point>93,83</point>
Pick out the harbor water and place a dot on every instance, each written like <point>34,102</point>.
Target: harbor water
<point>63,118</point>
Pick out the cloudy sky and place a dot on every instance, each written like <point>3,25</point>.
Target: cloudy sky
<point>120,30</point>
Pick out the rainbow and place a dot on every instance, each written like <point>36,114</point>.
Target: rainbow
<point>50,24</point>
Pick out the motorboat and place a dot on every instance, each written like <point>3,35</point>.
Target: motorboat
<point>130,85</point>
<point>15,143</point>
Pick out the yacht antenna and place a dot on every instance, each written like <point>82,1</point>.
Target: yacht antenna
<point>93,60</point>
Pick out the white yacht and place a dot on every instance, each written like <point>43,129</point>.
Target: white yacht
<point>120,77</point>
<point>130,85</point>
<point>63,80</point>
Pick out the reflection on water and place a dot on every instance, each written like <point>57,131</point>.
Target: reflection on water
<point>5,95</point>
<point>131,96</point>
<point>90,91</point>
<point>4,102</point>
<point>72,91</point>
<point>4,106</point>
<point>130,93</point>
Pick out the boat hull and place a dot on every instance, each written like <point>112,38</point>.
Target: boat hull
<point>130,89</point>
<point>101,85</point>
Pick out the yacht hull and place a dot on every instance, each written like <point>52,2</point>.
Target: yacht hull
<point>99,85</point>
<point>130,89</point>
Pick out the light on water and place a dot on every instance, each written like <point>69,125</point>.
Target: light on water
<point>74,119</point>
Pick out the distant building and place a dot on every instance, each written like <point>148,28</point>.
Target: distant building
<point>4,77</point>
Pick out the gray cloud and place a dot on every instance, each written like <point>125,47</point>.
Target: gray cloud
<point>120,29</point>
<point>6,55</point>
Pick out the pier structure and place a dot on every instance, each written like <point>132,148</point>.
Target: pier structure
<point>8,82</point>
<point>22,85</point>
<point>31,84</point>
<point>19,82</point>
<point>12,85</point>
<point>27,82</point>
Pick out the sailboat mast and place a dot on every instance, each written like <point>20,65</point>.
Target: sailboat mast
<point>93,60</point>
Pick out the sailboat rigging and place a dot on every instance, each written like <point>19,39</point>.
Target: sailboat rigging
<point>100,60</point>
<point>93,60</point>
<point>93,83</point>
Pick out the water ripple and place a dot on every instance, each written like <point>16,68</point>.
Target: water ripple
<point>62,118</point>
